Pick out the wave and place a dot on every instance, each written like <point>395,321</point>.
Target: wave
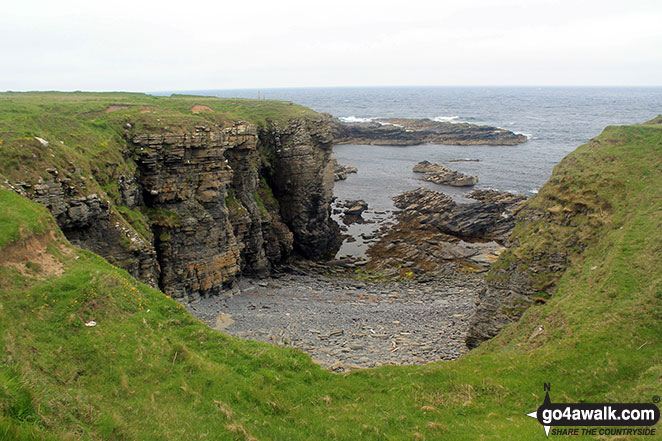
<point>528,135</point>
<point>354,119</point>
<point>450,119</point>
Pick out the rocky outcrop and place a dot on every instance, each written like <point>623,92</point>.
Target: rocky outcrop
<point>399,131</point>
<point>301,176</point>
<point>185,180</point>
<point>205,204</point>
<point>512,286</point>
<point>92,222</point>
<point>355,208</point>
<point>524,275</point>
<point>352,212</point>
<point>491,217</point>
<point>553,229</point>
<point>434,233</point>
<point>442,175</point>
<point>340,171</point>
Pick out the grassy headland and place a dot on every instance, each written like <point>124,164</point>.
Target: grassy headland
<point>148,370</point>
<point>83,136</point>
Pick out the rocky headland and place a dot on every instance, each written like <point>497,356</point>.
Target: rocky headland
<point>185,205</point>
<point>403,132</point>
<point>190,206</point>
<point>90,353</point>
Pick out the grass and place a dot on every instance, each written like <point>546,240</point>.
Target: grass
<point>18,220</point>
<point>87,134</point>
<point>149,370</point>
<point>138,220</point>
<point>90,129</point>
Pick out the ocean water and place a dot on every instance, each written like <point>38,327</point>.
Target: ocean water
<point>555,119</point>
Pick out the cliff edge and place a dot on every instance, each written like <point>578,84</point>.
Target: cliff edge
<point>186,193</point>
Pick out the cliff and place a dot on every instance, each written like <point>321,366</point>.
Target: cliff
<point>182,192</point>
<point>89,353</point>
<point>402,131</point>
<point>595,190</point>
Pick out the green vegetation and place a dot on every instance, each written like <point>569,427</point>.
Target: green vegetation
<point>148,370</point>
<point>233,205</point>
<point>161,217</point>
<point>19,220</point>
<point>138,220</point>
<point>82,137</point>
<point>85,132</point>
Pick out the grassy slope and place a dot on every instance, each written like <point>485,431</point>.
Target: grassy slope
<point>151,371</point>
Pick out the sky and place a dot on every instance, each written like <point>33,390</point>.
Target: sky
<point>135,45</point>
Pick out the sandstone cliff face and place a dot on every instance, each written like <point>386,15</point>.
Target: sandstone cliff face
<point>91,222</point>
<point>302,176</point>
<point>205,205</point>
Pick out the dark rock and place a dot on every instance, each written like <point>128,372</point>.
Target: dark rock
<point>301,176</point>
<point>215,209</point>
<point>355,208</point>
<point>434,233</point>
<point>340,172</point>
<point>420,131</point>
<point>489,218</point>
<point>441,175</point>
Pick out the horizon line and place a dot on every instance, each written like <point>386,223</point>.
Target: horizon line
<point>403,86</point>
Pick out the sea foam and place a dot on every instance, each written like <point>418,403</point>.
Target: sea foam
<point>449,119</point>
<point>354,119</point>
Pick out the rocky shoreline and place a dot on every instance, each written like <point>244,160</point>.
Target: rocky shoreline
<point>348,323</point>
<point>410,302</point>
<point>403,132</point>
<point>435,234</point>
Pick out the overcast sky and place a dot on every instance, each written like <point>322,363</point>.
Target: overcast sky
<point>198,44</point>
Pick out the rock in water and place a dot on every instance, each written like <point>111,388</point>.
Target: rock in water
<point>355,208</point>
<point>442,175</point>
<point>420,131</point>
<point>341,171</point>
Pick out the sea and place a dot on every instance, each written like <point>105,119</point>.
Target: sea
<point>556,120</point>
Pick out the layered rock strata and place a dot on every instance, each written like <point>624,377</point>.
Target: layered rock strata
<point>301,176</point>
<point>91,221</point>
<point>434,233</point>
<point>442,175</point>
<point>526,275</point>
<point>185,180</point>
<point>399,131</point>
<point>204,205</point>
